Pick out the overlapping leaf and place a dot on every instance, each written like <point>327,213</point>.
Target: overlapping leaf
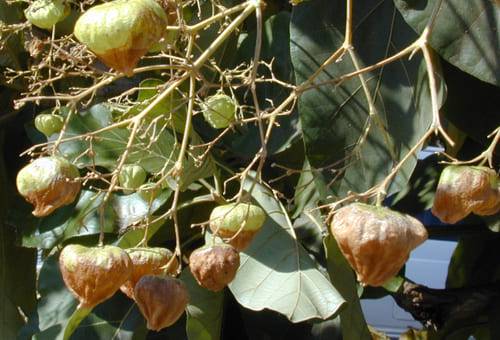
<point>335,117</point>
<point>277,273</point>
<point>87,217</point>
<point>204,311</point>
<point>465,33</point>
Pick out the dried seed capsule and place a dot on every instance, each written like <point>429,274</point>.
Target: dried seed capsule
<point>120,32</point>
<point>214,266</point>
<point>239,220</point>
<point>148,261</point>
<point>94,274</point>
<point>46,13</point>
<point>161,299</point>
<point>48,183</point>
<point>465,189</point>
<point>376,241</point>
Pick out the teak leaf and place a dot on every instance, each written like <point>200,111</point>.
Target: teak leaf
<point>277,273</point>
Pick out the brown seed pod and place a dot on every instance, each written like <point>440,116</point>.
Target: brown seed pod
<point>148,261</point>
<point>376,241</point>
<point>48,183</point>
<point>465,189</point>
<point>214,266</point>
<point>94,274</point>
<point>161,299</point>
<point>238,222</point>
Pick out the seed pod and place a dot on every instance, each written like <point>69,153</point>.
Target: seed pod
<point>48,183</point>
<point>147,261</point>
<point>48,124</point>
<point>161,299</point>
<point>239,220</point>
<point>219,111</point>
<point>46,13</point>
<point>465,189</point>
<point>376,241</point>
<point>214,266</point>
<point>120,32</point>
<point>94,274</point>
<point>131,177</point>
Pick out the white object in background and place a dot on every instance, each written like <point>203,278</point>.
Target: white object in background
<point>428,265</point>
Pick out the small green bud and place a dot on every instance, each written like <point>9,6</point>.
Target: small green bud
<point>131,177</point>
<point>219,111</point>
<point>48,124</point>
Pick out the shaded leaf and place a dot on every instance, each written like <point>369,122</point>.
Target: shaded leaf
<point>107,147</point>
<point>204,311</point>
<point>87,217</point>
<point>465,33</point>
<point>335,117</point>
<point>275,48</point>
<point>351,317</point>
<point>17,266</point>
<point>277,273</point>
<point>474,261</point>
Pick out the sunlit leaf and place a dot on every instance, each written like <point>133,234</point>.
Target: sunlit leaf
<point>277,273</point>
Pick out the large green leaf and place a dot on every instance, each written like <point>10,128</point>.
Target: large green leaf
<point>351,317</point>
<point>204,311</point>
<point>156,150</point>
<point>17,267</point>
<point>275,48</point>
<point>334,117</point>
<point>466,33</point>
<point>107,147</point>
<point>277,273</point>
<point>87,216</point>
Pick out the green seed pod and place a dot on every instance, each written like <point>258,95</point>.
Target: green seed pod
<point>46,13</point>
<point>219,111</point>
<point>131,177</point>
<point>94,274</point>
<point>48,183</point>
<point>120,32</point>
<point>48,124</point>
<point>239,220</point>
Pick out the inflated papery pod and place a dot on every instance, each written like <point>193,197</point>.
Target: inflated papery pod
<point>94,274</point>
<point>214,266</point>
<point>161,300</point>
<point>238,222</point>
<point>148,261</point>
<point>120,32</point>
<point>466,189</point>
<point>376,241</point>
<point>48,183</point>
